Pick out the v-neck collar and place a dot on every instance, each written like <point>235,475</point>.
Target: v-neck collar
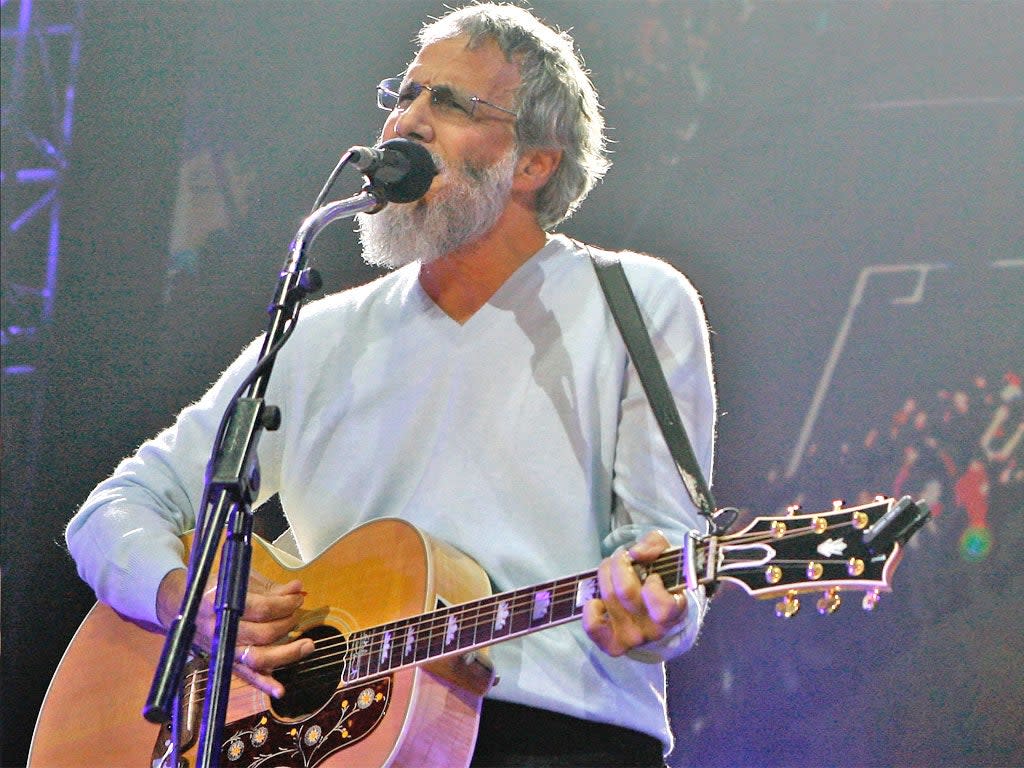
<point>433,311</point>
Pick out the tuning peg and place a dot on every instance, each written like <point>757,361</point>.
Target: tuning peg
<point>870,600</point>
<point>829,602</point>
<point>788,606</point>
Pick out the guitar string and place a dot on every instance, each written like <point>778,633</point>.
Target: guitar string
<point>668,564</point>
<point>332,652</point>
<point>327,657</point>
<point>372,640</point>
<point>432,627</point>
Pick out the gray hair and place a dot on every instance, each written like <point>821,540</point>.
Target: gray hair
<point>556,102</point>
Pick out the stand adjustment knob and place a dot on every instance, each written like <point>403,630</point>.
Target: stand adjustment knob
<point>271,417</point>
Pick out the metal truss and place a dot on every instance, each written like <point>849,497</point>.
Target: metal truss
<point>39,53</point>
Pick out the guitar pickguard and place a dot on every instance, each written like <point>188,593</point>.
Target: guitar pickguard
<point>262,740</point>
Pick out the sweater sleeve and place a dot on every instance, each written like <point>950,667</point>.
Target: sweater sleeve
<point>126,536</point>
<point>649,493</point>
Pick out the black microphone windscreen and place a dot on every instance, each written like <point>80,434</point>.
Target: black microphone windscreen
<point>414,183</point>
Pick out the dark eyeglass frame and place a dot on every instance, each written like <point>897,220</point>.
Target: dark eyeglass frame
<point>391,94</point>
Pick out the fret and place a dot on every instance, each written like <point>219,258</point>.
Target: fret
<point>384,655</point>
<point>501,622</point>
<point>434,645</point>
<point>359,660</point>
<point>564,605</point>
<point>422,649</point>
<point>522,606</point>
<point>670,567</point>
<point>409,645</point>
<point>451,632</point>
<point>481,622</point>
<point>541,607</point>
<point>586,589</point>
<point>468,620</point>
<point>375,653</point>
<point>369,652</point>
<point>383,647</point>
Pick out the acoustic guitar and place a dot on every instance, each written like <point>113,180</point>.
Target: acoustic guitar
<point>392,681</point>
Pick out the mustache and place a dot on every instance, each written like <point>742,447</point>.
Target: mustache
<point>439,163</point>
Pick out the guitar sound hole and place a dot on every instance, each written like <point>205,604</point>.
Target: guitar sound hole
<point>310,683</point>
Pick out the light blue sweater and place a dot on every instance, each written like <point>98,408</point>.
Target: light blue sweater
<point>522,437</point>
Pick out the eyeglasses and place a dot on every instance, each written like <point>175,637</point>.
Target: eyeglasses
<point>391,95</point>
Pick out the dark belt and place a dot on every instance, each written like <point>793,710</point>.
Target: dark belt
<point>513,735</point>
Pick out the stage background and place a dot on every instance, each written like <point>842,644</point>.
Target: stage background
<point>812,167</point>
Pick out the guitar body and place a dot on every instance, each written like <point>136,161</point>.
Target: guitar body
<point>378,573</point>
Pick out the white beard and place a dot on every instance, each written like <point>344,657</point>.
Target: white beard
<point>466,208</point>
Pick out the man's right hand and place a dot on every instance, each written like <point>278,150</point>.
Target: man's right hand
<point>271,612</point>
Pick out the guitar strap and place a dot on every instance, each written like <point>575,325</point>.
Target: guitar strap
<point>626,312</point>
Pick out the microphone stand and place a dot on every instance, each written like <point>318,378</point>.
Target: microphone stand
<point>232,482</point>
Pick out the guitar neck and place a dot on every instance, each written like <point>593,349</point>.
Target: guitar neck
<point>855,548</point>
<point>461,628</point>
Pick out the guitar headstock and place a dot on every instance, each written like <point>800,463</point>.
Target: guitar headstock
<point>855,548</point>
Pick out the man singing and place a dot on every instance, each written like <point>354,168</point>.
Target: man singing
<point>479,390</point>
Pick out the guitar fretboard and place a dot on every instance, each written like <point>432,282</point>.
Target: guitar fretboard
<point>464,627</point>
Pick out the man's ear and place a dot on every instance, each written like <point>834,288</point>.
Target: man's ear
<point>535,167</point>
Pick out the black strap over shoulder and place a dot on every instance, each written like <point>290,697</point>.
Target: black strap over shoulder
<point>624,308</point>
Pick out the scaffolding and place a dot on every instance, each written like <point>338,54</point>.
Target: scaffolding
<point>40,49</point>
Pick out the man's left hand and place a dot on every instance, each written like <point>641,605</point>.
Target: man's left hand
<point>630,613</point>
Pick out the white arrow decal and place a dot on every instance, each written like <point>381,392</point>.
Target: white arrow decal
<point>832,548</point>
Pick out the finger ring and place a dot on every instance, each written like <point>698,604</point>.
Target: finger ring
<point>680,600</point>
<point>244,658</point>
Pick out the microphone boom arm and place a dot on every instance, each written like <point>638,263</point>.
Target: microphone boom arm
<point>367,201</point>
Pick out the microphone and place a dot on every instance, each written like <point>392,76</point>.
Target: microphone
<point>399,169</point>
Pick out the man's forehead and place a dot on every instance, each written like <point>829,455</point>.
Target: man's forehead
<point>452,62</point>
